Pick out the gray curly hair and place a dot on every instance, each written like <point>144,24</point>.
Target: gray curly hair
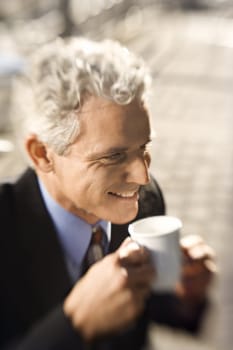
<point>62,74</point>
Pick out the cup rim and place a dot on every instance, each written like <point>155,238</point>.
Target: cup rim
<point>165,232</point>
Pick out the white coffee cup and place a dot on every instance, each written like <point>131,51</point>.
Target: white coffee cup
<point>160,234</point>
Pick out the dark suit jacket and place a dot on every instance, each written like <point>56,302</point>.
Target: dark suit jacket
<point>34,280</point>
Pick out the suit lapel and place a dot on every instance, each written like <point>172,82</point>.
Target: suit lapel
<point>118,234</point>
<point>44,263</point>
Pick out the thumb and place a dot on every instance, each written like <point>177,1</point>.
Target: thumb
<point>126,241</point>
<point>127,247</point>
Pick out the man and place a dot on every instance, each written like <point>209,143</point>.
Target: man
<point>81,106</point>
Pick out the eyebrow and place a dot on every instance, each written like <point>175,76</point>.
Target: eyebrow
<point>113,150</point>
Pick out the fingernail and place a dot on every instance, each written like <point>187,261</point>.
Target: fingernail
<point>125,251</point>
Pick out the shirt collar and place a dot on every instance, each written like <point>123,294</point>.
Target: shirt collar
<point>73,232</point>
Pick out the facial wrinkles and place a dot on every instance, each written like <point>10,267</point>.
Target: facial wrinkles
<point>94,139</point>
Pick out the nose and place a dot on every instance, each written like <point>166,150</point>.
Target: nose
<point>138,170</point>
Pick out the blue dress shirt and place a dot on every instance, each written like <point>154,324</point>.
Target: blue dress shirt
<point>73,233</point>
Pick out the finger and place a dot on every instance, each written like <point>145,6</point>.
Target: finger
<point>195,281</point>
<point>197,252</point>
<point>198,273</point>
<point>142,292</point>
<point>211,266</point>
<point>190,241</point>
<point>195,285</point>
<point>201,251</point>
<point>141,275</point>
<point>133,253</point>
<point>195,271</point>
<point>190,292</point>
<point>137,298</point>
<point>126,241</point>
<point>192,267</point>
<point>128,248</point>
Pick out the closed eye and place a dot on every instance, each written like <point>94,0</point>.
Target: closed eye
<point>113,158</point>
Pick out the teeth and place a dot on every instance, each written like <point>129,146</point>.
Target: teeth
<point>125,195</point>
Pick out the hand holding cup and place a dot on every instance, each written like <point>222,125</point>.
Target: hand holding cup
<point>160,234</point>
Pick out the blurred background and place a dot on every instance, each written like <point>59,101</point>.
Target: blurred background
<point>188,45</point>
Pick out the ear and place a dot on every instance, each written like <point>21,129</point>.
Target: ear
<point>39,153</point>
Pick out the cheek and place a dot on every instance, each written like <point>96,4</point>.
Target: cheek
<point>104,176</point>
<point>93,183</point>
<point>71,178</point>
<point>99,183</point>
<point>88,184</point>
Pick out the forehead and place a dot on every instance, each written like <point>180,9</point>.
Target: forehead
<point>104,124</point>
<point>99,112</point>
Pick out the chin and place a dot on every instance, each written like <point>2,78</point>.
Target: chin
<point>123,219</point>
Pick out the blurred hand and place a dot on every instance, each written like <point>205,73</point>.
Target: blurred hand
<point>112,294</point>
<point>198,269</point>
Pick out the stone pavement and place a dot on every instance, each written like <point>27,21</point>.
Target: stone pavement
<point>191,59</point>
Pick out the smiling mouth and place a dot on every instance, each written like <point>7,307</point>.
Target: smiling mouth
<point>125,195</point>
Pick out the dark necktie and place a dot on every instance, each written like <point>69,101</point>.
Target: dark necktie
<point>96,249</point>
